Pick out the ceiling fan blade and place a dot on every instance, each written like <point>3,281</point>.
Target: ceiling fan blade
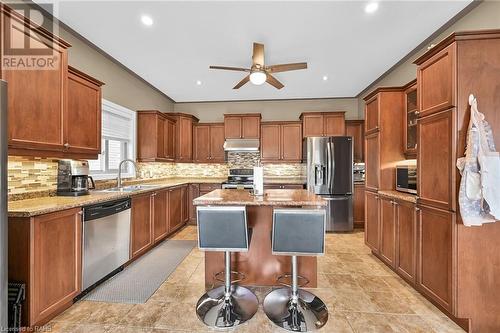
<point>258,54</point>
<point>274,82</point>
<point>287,67</point>
<point>239,69</point>
<point>242,82</point>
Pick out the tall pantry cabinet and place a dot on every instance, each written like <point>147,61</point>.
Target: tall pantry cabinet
<point>457,266</point>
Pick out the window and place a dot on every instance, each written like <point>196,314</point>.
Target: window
<point>118,142</point>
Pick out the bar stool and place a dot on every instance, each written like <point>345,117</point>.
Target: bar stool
<point>297,232</point>
<point>224,228</point>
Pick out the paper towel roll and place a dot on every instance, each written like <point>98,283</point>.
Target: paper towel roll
<point>258,181</point>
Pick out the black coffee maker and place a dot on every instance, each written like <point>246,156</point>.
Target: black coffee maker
<point>73,178</point>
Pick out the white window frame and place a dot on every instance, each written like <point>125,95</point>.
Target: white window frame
<point>119,110</point>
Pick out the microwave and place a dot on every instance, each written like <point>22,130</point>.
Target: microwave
<point>406,178</point>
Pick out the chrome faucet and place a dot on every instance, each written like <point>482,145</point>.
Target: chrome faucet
<point>119,179</point>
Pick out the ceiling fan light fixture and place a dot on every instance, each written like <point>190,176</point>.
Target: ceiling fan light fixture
<point>258,77</point>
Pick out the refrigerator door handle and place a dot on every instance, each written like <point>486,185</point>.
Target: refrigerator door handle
<point>331,166</point>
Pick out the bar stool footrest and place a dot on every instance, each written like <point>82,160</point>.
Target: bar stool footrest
<point>217,276</point>
<point>299,277</point>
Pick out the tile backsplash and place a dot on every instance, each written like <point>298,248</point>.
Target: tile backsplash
<point>34,175</point>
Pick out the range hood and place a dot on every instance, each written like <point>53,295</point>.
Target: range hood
<point>242,145</point>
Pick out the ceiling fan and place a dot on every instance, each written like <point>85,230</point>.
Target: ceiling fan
<point>259,72</point>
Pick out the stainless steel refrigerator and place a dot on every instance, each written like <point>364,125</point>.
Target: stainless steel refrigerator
<point>329,174</point>
<point>3,207</point>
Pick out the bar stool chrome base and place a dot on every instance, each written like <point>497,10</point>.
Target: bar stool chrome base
<point>218,311</point>
<point>309,313</point>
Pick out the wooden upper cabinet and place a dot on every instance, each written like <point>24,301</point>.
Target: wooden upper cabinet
<point>372,115</point>
<point>291,142</point>
<point>323,123</point>
<point>436,244</point>
<point>155,136</point>
<point>169,139</point>
<point>406,238</point>
<point>437,82</point>
<point>202,143</point>
<point>183,136</point>
<point>372,230</point>
<point>83,114</point>
<point>160,133</point>
<point>217,142</point>
<point>142,233</point>
<point>312,125</point>
<point>334,124</point>
<point>281,142</point>
<point>36,98</point>
<point>383,137</point>
<point>242,126</point>
<point>270,142</point>
<point>410,120</point>
<point>250,127</point>
<point>372,164</point>
<point>208,143</point>
<point>232,127</point>
<point>436,160</point>
<point>356,129</point>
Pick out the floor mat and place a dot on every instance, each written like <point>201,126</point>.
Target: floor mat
<point>139,281</point>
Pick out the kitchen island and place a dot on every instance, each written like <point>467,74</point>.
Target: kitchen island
<point>260,266</point>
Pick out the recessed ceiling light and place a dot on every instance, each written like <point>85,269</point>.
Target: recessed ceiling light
<point>147,20</point>
<point>198,82</point>
<point>325,78</point>
<point>371,7</point>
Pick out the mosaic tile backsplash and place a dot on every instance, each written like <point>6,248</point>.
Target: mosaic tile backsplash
<point>39,175</point>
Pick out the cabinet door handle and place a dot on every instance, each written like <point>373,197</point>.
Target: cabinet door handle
<point>417,113</point>
<point>66,146</point>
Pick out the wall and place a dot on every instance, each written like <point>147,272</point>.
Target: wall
<point>270,110</point>
<point>485,16</point>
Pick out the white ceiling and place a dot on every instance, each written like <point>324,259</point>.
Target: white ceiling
<point>336,38</point>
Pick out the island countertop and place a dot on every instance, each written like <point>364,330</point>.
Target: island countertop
<point>270,198</point>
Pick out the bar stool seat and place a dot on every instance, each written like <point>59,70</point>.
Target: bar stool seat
<point>297,232</point>
<point>224,228</point>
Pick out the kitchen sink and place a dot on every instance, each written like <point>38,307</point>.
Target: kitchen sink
<point>131,188</point>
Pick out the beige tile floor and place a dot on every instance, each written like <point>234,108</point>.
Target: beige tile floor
<point>362,295</point>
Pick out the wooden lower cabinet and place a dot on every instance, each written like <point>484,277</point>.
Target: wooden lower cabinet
<point>359,205</point>
<point>142,215</point>
<point>372,220</point>
<point>207,188</point>
<point>160,215</point>
<point>185,203</point>
<point>175,208</point>
<point>387,249</point>
<point>194,192</point>
<point>406,240</point>
<point>436,244</point>
<point>45,253</point>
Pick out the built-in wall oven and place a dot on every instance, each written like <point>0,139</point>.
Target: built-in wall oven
<point>106,241</point>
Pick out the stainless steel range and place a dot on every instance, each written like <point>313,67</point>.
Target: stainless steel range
<point>241,179</point>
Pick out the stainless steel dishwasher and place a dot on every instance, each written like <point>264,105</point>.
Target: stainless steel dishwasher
<point>106,240</point>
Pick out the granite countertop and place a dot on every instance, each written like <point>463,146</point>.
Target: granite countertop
<point>270,198</point>
<point>50,204</point>
<point>285,180</point>
<point>399,195</point>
